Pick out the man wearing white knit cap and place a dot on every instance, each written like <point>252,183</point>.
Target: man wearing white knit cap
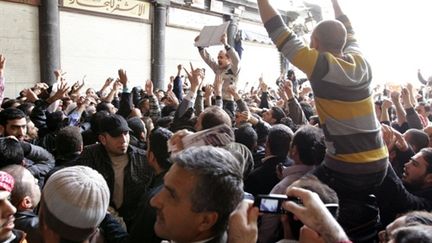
<point>73,204</point>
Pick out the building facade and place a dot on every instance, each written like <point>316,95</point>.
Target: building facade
<point>92,39</point>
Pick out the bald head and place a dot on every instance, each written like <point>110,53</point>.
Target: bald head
<point>329,35</point>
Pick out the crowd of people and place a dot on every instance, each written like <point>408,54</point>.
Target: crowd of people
<point>183,164</point>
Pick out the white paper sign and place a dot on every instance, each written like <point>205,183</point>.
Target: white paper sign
<point>211,35</point>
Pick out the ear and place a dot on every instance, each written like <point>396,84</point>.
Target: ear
<point>150,158</point>
<point>102,139</point>
<point>143,136</point>
<point>2,130</point>
<point>207,221</point>
<point>428,179</point>
<point>26,203</point>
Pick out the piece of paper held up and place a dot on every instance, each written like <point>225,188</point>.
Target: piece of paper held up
<point>216,136</point>
<point>211,35</point>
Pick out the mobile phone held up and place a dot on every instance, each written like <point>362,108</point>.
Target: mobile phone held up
<point>272,203</point>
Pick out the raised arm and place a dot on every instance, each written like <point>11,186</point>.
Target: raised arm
<point>2,80</point>
<point>206,57</point>
<point>155,110</point>
<point>178,83</point>
<point>126,104</point>
<point>267,11</point>
<point>351,43</point>
<point>420,78</point>
<point>233,55</point>
<point>337,9</point>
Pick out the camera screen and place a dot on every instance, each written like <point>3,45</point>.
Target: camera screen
<point>269,205</point>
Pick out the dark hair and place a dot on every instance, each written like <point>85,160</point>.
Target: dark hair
<point>103,106</point>
<point>277,113</point>
<point>9,103</point>
<point>96,119</point>
<point>158,144</point>
<point>309,141</point>
<point>247,136</point>
<point>427,156</point>
<point>137,126</point>
<point>168,110</point>
<point>219,186</point>
<point>10,114</point>
<point>26,108</point>
<point>325,193</point>
<point>287,121</point>
<point>413,234</point>
<point>279,140</point>
<point>11,152</point>
<point>307,109</point>
<point>68,141</point>
<point>165,121</point>
<point>54,121</point>
<point>418,139</point>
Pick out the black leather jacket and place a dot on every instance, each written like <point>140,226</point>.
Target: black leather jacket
<point>28,222</point>
<point>137,175</point>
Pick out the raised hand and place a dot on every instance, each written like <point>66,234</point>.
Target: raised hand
<point>224,39</point>
<point>117,85</point>
<point>59,74</point>
<point>388,136</point>
<point>395,96</point>
<point>108,82</point>
<point>243,226</point>
<point>170,86</point>
<point>62,90</point>
<point>208,91</point>
<point>30,95</point>
<point>149,87</point>
<point>406,98</point>
<point>179,69</point>
<point>39,87</point>
<point>386,104</point>
<point>196,77</point>
<point>2,64</point>
<point>288,87</point>
<point>123,78</point>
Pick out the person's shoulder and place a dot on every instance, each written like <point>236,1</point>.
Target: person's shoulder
<point>93,147</point>
<point>137,151</point>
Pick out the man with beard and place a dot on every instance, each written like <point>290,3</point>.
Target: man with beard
<point>124,167</point>
<point>417,175</point>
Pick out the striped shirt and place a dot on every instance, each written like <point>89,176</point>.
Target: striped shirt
<point>343,100</point>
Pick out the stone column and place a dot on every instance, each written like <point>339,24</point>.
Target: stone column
<point>158,43</point>
<point>49,40</point>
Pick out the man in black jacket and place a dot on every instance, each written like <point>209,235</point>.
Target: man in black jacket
<point>124,167</point>
<point>413,192</point>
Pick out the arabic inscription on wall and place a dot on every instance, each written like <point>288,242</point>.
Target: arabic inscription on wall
<point>128,8</point>
<point>31,2</point>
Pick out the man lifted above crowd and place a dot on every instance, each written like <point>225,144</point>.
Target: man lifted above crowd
<point>227,67</point>
<point>340,77</point>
